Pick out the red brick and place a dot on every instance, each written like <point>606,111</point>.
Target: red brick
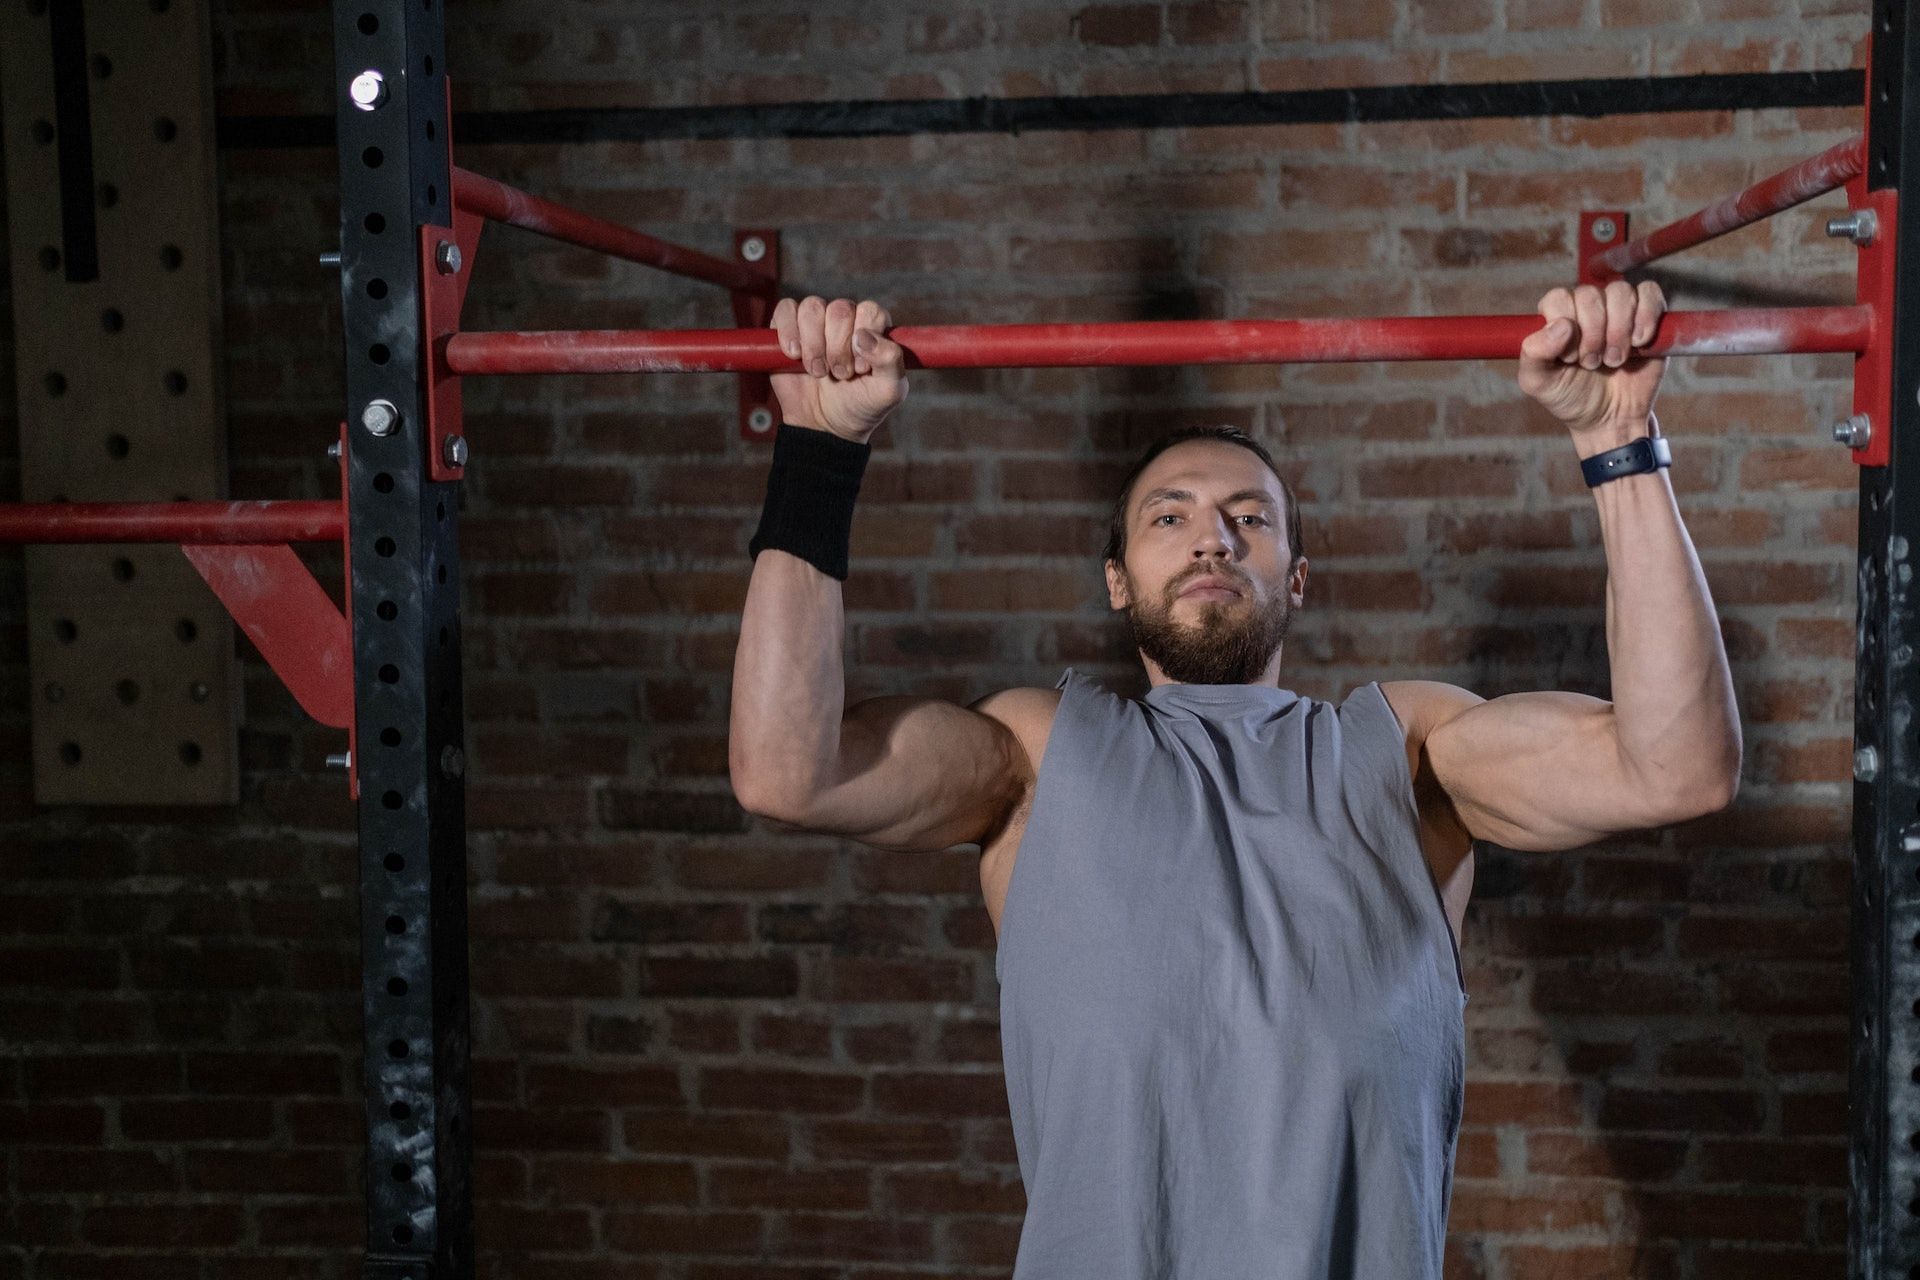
<point>1482,1208</point>
<point>743,1089</point>
<point>563,1180</point>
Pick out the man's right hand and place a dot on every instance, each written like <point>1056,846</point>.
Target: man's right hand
<point>854,374</point>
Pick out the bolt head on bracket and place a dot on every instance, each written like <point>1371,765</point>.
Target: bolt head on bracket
<point>1866,764</point>
<point>368,90</point>
<point>753,248</point>
<point>380,417</point>
<point>1855,432</point>
<point>1860,226</point>
<point>1601,232</point>
<point>446,258</point>
<point>454,451</point>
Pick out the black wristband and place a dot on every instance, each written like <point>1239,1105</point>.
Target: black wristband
<point>810,491</point>
<point>1648,453</point>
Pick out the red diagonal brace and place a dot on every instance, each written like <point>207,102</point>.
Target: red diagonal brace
<point>290,620</point>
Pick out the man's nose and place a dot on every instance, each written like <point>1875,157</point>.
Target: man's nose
<point>1213,541</point>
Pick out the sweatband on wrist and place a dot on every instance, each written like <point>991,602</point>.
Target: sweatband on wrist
<point>811,487</point>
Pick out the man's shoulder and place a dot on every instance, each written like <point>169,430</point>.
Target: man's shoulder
<point>1019,709</point>
<point>1027,714</point>
<point>1421,705</point>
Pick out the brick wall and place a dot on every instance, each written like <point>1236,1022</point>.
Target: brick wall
<point>706,1051</point>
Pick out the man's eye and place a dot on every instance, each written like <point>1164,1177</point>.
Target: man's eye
<point>1169,516</point>
<point>1255,519</point>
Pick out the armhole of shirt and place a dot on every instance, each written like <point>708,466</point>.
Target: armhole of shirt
<point>1021,856</point>
<point>1401,774</point>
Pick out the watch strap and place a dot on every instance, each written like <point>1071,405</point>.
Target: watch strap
<point>1645,454</point>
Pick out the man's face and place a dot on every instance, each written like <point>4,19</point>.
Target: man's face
<point>1208,511</point>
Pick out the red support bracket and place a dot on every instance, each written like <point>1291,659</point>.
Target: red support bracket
<point>759,408</point>
<point>1600,231</point>
<point>446,267</point>
<point>446,264</point>
<point>291,621</point>
<point>289,618</point>
<point>1873,367</point>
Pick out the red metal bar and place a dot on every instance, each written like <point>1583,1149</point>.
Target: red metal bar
<point>1173,342</point>
<point>518,208</point>
<point>291,621</point>
<point>1828,171</point>
<point>209,523</point>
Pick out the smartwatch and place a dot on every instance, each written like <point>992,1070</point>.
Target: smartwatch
<point>1630,459</point>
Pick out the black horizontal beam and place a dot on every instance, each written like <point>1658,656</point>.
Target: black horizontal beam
<point>1627,95</point>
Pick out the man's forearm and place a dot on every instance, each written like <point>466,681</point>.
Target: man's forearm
<point>1672,692</point>
<point>789,686</point>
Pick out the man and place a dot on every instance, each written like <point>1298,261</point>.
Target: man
<point>1231,997</point>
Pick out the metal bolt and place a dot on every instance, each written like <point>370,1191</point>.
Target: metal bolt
<point>760,421</point>
<point>333,450</point>
<point>1860,226</point>
<point>1902,654</point>
<point>1604,230</point>
<point>753,248</point>
<point>454,451</point>
<point>368,90</point>
<point>1854,432</point>
<point>1866,764</point>
<point>331,258</point>
<point>446,257</point>
<point>342,760</point>
<point>380,417</point>
<point>453,761</point>
<point>55,691</point>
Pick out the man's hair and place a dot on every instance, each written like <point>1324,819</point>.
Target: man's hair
<point>1117,527</point>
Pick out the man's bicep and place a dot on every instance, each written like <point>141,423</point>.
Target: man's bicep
<point>1540,771</point>
<point>921,773</point>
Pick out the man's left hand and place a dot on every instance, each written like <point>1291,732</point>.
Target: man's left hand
<point>1581,365</point>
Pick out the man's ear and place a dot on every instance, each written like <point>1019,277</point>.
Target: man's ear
<point>1116,586</point>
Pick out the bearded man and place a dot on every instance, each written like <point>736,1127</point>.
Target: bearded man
<point>1228,914</point>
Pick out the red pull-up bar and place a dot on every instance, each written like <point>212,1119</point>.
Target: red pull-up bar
<point>1828,171</point>
<point>188,523</point>
<point>1170,342</point>
<point>502,203</point>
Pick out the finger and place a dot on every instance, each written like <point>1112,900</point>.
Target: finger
<point>1653,305</point>
<point>813,335</point>
<point>840,338</point>
<point>865,321</point>
<point>888,358</point>
<point>786,324</point>
<point>1621,302</point>
<point>1549,343</point>
<point>1591,312</point>
<point>1557,304</point>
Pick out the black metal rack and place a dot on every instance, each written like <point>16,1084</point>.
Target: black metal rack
<point>404,586</point>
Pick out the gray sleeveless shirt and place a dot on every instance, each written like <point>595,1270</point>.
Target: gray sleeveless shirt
<point>1231,1008</point>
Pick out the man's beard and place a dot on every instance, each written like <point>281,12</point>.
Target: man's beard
<point>1227,642</point>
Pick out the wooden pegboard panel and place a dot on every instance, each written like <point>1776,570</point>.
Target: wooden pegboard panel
<point>111,203</point>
